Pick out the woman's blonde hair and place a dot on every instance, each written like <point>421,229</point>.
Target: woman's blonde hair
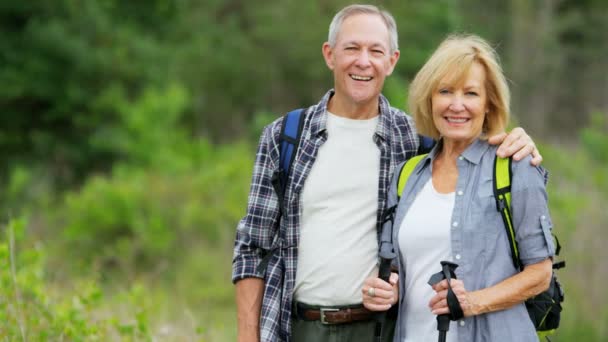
<point>450,63</point>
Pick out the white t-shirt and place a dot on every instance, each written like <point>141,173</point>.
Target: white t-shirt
<point>338,245</point>
<point>424,241</point>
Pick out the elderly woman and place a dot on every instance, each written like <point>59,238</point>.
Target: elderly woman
<point>447,210</point>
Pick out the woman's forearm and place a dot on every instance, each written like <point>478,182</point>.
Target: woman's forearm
<point>534,279</point>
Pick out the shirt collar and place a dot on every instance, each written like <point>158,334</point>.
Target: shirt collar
<point>475,151</point>
<point>472,153</point>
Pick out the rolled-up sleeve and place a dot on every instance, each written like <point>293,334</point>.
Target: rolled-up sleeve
<point>256,230</point>
<point>530,213</point>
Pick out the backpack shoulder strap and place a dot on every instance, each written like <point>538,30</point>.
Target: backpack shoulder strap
<point>291,132</point>
<point>425,144</point>
<point>502,193</point>
<point>289,140</point>
<point>406,171</point>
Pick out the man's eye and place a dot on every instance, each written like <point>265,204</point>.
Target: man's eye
<point>378,52</point>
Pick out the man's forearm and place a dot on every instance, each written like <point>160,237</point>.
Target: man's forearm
<point>249,293</point>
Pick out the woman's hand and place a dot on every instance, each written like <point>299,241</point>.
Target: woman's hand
<point>439,303</point>
<point>379,295</point>
<point>534,279</point>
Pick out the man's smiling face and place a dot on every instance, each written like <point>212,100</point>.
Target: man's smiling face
<point>360,60</point>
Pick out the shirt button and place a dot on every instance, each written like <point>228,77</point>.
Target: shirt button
<point>543,217</point>
<point>460,158</point>
<point>462,323</point>
<point>457,256</point>
<point>455,224</point>
<point>460,193</point>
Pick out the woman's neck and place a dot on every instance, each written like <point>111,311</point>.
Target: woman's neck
<point>445,170</point>
<point>452,149</point>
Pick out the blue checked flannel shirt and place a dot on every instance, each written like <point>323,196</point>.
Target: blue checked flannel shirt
<point>257,232</point>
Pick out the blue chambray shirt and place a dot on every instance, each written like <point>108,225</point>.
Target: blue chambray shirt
<point>478,238</point>
<point>396,138</point>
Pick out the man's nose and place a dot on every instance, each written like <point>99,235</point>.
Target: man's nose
<point>363,59</point>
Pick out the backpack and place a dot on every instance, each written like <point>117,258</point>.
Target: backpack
<point>545,308</point>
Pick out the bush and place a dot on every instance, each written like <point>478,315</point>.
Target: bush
<point>30,312</point>
<point>33,309</point>
<point>145,216</point>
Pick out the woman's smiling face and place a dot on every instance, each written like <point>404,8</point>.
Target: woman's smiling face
<point>459,109</point>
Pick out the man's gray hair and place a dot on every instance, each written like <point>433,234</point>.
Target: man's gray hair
<point>348,11</point>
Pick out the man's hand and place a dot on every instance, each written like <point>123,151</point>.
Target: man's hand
<point>379,295</point>
<point>517,144</point>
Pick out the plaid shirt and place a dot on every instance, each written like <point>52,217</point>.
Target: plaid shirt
<point>257,232</point>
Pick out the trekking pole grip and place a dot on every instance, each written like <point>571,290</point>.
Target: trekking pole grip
<point>448,271</point>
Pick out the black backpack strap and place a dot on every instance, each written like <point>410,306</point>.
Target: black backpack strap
<point>425,144</point>
<point>289,140</point>
<point>558,248</point>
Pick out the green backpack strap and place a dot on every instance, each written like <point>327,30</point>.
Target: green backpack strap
<point>406,171</point>
<point>502,194</point>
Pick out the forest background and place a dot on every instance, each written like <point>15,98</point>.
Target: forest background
<point>128,131</point>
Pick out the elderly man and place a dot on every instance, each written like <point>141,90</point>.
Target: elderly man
<point>335,196</point>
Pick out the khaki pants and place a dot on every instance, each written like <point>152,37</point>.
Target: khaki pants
<point>315,331</point>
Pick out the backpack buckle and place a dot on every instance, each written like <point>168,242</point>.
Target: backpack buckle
<point>500,203</point>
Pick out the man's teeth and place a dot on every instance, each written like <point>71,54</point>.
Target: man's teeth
<point>457,120</point>
<point>360,78</point>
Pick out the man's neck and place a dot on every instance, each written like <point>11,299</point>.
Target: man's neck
<point>351,110</point>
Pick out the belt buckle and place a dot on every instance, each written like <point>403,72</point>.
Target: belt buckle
<point>322,314</point>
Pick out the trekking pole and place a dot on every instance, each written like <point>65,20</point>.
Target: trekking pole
<point>384,273</point>
<point>443,321</point>
<point>387,254</point>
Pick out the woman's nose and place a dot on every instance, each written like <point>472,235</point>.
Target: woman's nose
<point>456,105</point>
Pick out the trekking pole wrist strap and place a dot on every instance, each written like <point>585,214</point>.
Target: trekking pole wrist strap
<point>448,273</point>
<point>452,300</point>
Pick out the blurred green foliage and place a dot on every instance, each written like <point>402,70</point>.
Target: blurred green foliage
<point>172,189</point>
<point>58,58</point>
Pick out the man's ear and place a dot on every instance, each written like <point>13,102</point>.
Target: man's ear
<point>392,62</point>
<point>328,54</point>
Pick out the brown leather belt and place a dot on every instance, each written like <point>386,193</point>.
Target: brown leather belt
<point>333,315</point>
